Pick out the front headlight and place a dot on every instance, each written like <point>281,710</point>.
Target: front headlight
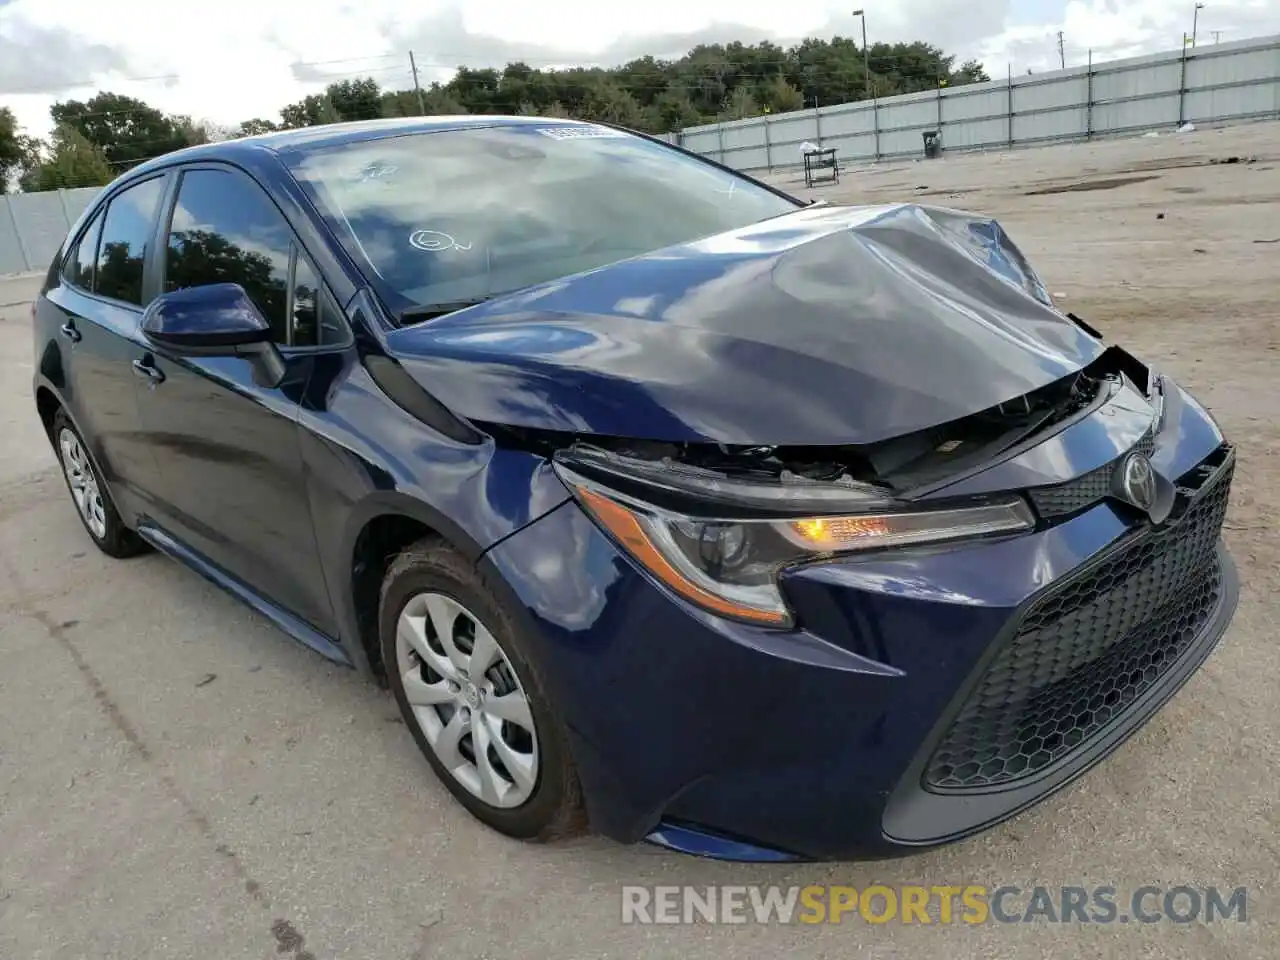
<point>686,529</point>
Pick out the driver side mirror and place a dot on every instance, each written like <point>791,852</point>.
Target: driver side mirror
<point>217,320</point>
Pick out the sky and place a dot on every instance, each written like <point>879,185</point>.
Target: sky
<point>230,60</point>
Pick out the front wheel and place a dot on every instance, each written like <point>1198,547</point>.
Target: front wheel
<point>468,691</point>
<point>89,494</point>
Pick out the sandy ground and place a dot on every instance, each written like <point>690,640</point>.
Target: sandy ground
<point>280,810</point>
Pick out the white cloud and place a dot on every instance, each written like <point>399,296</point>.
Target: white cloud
<point>233,59</point>
<point>1114,29</point>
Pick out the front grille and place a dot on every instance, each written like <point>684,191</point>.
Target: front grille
<point>1084,653</point>
<point>1085,490</point>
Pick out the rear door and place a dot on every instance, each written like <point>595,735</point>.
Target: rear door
<point>100,295</point>
<point>233,486</point>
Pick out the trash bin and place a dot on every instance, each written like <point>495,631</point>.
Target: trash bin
<point>932,144</point>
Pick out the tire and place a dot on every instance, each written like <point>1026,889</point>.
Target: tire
<point>90,494</point>
<point>427,581</point>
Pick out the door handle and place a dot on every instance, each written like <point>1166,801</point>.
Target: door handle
<point>146,370</point>
<point>69,331</point>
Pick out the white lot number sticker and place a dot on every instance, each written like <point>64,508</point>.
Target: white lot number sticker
<point>584,132</point>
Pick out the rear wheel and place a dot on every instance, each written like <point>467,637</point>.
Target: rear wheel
<point>89,494</point>
<point>461,675</point>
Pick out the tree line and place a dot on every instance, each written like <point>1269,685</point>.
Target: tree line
<point>96,140</point>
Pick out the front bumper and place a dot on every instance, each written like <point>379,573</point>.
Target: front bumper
<point>839,739</point>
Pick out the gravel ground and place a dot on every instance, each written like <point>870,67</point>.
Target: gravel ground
<point>178,780</point>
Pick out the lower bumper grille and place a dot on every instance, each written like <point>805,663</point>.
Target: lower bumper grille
<point>1084,653</point>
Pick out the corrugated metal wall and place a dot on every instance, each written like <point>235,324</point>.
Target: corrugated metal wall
<point>33,225</point>
<point>1221,83</point>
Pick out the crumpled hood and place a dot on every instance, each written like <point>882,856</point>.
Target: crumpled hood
<point>826,326</point>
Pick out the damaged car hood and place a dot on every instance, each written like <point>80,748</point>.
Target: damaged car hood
<point>826,326</point>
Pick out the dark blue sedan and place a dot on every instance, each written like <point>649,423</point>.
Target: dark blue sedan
<point>664,503</point>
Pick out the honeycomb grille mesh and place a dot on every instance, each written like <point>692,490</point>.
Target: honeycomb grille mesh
<point>1084,653</point>
<point>1085,490</point>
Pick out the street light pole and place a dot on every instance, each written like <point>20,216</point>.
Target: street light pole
<point>866,59</point>
<point>1195,23</point>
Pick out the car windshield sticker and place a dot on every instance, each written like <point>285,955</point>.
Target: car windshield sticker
<point>584,131</point>
<point>433,241</point>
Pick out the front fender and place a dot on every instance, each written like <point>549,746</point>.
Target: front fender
<point>366,457</point>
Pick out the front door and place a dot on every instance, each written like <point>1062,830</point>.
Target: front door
<point>234,484</point>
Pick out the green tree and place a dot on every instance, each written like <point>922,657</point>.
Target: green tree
<point>739,105</point>
<point>312,111</point>
<point>72,161</point>
<point>710,82</point>
<point>608,101</point>
<point>555,109</point>
<point>400,103</point>
<point>251,128</point>
<point>780,96</point>
<point>441,103</point>
<point>971,71</point>
<point>18,152</point>
<point>126,129</point>
<point>645,79</point>
<point>436,102</point>
<point>671,111</point>
<point>356,99</point>
<point>477,89</point>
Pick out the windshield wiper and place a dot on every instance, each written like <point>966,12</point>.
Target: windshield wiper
<point>430,311</point>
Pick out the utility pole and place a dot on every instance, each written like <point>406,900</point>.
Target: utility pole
<point>866,59</point>
<point>1195,22</point>
<point>1062,51</point>
<point>417,88</point>
<point>866,64</point>
<point>1217,36</point>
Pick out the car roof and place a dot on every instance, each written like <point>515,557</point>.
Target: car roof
<point>304,139</point>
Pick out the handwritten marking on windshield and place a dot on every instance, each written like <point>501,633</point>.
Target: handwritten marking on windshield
<point>377,171</point>
<point>433,241</point>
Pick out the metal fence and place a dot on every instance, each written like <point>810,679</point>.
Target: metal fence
<point>1221,83</point>
<point>33,225</point>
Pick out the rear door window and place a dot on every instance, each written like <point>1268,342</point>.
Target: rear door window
<point>81,261</point>
<point>122,254</point>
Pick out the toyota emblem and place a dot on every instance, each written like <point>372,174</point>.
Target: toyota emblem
<point>1138,481</point>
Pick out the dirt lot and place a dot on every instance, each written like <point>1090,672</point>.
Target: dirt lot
<point>178,780</point>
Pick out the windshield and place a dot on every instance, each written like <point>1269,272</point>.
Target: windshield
<point>465,214</point>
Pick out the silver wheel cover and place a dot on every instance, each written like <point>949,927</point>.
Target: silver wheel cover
<point>83,483</point>
<point>467,700</point>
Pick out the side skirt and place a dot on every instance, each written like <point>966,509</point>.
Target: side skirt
<point>298,629</point>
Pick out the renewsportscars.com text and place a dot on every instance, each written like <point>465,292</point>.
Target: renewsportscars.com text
<point>959,904</point>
